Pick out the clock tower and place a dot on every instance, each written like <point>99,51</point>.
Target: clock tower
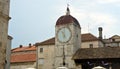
<point>67,40</point>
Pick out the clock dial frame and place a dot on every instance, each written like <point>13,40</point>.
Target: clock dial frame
<point>64,34</point>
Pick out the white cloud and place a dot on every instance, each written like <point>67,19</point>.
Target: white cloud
<point>91,17</point>
<point>108,1</point>
<point>102,18</point>
<point>93,3</point>
<point>91,20</point>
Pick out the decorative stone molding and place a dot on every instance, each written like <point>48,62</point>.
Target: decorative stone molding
<point>10,37</point>
<point>5,16</point>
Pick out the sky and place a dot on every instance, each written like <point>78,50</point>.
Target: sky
<point>34,20</point>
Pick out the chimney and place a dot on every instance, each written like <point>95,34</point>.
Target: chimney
<point>20,46</point>
<point>100,33</point>
<point>29,44</point>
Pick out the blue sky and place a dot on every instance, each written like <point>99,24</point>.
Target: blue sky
<point>34,20</point>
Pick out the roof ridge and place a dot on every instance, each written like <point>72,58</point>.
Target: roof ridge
<point>47,39</point>
<point>24,48</point>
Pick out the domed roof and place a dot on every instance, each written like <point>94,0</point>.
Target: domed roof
<point>67,19</point>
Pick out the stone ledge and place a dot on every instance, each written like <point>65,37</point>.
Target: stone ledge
<point>5,16</point>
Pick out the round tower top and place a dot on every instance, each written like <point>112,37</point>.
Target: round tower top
<point>67,19</point>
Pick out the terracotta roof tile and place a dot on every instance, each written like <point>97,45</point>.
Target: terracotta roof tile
<point>85,37</point>
<point>88,37</point>
<point>23,58</point>
<point>97,53</point>
<point>50,41</point>
<point>25,48</point>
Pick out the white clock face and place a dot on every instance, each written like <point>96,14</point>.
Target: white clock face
<point>64,34</point>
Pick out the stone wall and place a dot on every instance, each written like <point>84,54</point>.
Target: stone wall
<point>46,58</point>
<point>4,18</point>
<point>8,52</point>
<point>23,65</point>
<point>95,44</point>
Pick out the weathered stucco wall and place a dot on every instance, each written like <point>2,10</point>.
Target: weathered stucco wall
<point>46,58</point>
<point>4,18</point>
<point>23,65</point>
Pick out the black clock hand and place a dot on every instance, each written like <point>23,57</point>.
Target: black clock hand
<point>63,34</point>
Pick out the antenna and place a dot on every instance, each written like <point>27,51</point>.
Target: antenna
<point>104,36</point>
<point>68,3</point>
<point>88,21</point>
<point>88,28</point>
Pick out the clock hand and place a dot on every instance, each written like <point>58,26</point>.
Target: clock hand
<point>63,34</point>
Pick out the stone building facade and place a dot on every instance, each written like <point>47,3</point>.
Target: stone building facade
<point>62,49</point>
<point>45,57</point>
<point>23,57</point>
<point>67,40</point>
<point>91,41</point>
<point>113,41</point>
<point>8,52</point>
<point>46,50</point>
<point>4,19</point>
<point>58,51</point>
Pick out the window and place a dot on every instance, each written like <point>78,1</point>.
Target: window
<point>114,44</point>
<point>91,46</point>
<point>41,50</point>
<point>41,61</point>
<point>113,40</point>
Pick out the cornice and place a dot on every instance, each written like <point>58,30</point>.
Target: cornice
<point>5,16</point>
<point>10,37</point>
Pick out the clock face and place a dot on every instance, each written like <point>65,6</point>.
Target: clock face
<point>64,34</point>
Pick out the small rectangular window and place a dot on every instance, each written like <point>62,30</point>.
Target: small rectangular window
<point>91,45</point>
<point>41,50</point>
<point>41,61</point>
<point>113,40</point>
